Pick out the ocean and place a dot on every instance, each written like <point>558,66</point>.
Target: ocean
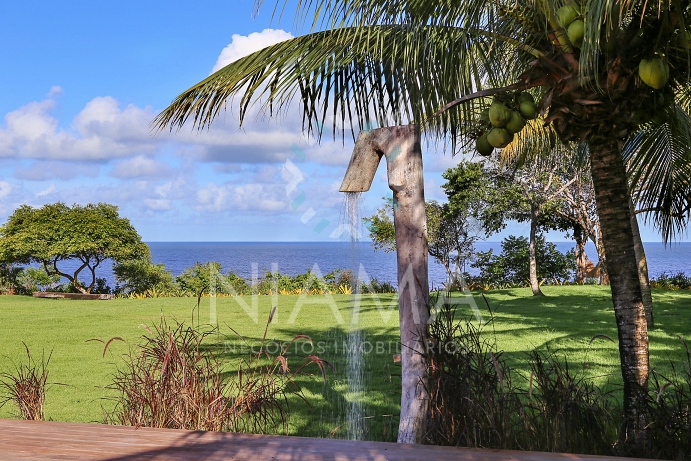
<point>324,257</point>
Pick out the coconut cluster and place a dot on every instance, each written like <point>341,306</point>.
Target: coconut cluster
<point>570,18</point>
<point>503,119</point>
<point>653,72</point>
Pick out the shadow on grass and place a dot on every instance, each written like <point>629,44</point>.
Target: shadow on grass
<point>324,411</point>
<point>578,321</point>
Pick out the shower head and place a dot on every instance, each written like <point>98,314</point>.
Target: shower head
<point>363,163</point>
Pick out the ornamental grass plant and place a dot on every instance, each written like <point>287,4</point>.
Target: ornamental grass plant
<point>26,386</point>
<point>171,379</point>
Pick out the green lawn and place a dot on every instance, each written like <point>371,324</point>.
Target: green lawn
<point>565,320</point>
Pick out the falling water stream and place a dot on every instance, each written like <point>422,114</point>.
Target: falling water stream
<point>354,360</point>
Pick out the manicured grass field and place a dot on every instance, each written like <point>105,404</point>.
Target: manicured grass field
<point>565,320</point>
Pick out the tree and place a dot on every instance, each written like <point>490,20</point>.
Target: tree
<point>451,234</point>
<point>56,233</point>
<point>437,64</point>
<point>512,265</point>
<point>140,275</point>
<point>495,193</point>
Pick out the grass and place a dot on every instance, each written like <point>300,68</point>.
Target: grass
<point>565,320</point>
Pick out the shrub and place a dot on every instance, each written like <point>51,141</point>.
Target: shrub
<point>8,278</point>
<point>32,279</point>
<point>669,408</point>
<point>141,275</point>
<point>667,281</point>
<point>474,401</point>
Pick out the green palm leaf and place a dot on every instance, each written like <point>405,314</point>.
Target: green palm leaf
<point>659,164</point>
<point>386,74</point>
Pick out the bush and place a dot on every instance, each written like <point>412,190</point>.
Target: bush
<point>667,281</point>
<point>512,266</point>
<point>669,408</point>
<point>140,276</point>
<point>474,401</point>
<point>33,279</point>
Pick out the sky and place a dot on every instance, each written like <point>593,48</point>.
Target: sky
<point>82,81</point>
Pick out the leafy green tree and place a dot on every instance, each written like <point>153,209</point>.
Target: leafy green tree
<point>140,275</point>
<point>495,194</point>
<point>201,278</point>
<point>619,78</point>
<point>512,265</point>
<point>381,228</point>
<point>451,234</point>
<point>475,189</point>
<point>56,233</point>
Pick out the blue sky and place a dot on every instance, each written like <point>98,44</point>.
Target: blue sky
<point>81,82</point>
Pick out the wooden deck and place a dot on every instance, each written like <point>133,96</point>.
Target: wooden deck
<point>31,440</point>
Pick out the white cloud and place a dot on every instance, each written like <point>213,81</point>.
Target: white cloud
<point>157,204</point>
<point>49,190</point>
<point>5,189</point>
<point>139,167</point>
<point>46,170</point>
<point>101,131</point>
<point>254,197</point>
<point>243,45</point>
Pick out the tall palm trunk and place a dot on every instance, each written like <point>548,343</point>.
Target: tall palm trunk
<point>612,200</point>
<point>602,258</point>
<point>534,283</point>
<point>642,267</point>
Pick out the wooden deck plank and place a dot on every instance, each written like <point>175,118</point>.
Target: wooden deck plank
<point>42,441</point>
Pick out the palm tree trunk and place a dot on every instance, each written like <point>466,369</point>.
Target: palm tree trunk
<point>534,282</point>
<point>602,258</point>
<point>642,267</point>
<point>612,200</point>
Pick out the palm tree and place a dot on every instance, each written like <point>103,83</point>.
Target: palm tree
<point>437,64</point>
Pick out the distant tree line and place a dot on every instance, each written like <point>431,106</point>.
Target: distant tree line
<point>55,233</point>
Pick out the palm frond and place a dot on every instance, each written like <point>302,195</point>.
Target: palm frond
<point>355,77</point>
<point>658,159</point>
<point>534,141</point>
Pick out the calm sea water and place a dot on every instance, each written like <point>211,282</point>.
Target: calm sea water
<point>295,258</point>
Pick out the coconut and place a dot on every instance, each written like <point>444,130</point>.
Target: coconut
<point>516,123</point>
<point>483,147</point>
<point>499,137</point>
<point>654,72</point>
<point>565,15</point>
<point>526,97</point>
<point>499,114</point>
<point>576,32</point>
<point>528,110</point>
<point>484,115</point>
